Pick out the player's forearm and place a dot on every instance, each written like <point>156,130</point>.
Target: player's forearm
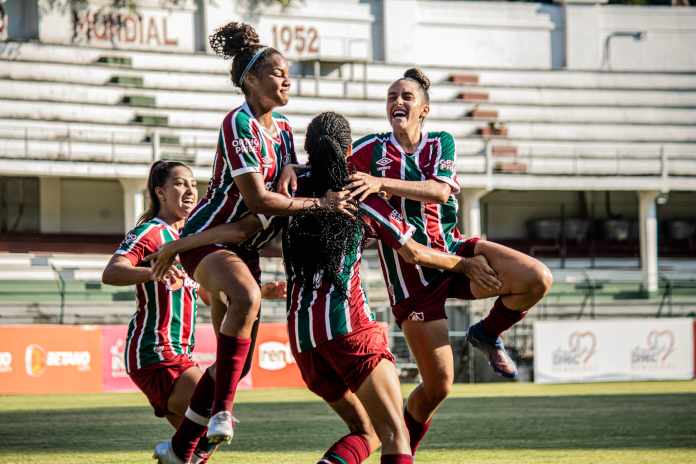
<point>415,253</point>
<point>119,274</point>
<point>430,191</point>
<point>234,233</point>
<point>275,204</point>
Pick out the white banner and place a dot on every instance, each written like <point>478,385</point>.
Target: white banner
<point>613,350</point>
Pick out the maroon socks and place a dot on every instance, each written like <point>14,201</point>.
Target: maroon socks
<point>350,449</point>
<point>416,430</point>
<point>231,356</point>
<point>191,432</point>
<point>396,459</point>
<point>501,318</point>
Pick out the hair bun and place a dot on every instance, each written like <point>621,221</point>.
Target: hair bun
<point>233,38</point>
<point>419,76</point>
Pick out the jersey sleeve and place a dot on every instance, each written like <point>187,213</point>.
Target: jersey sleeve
<point>241,144</point>
<point>361,158</point>
<point>384,222</point>
<point>445,166</point>
<point>139,242</point>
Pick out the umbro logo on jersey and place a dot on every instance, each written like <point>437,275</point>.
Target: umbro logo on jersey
<point>384,161</point>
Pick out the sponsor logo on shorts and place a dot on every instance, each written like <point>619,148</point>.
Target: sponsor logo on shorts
<point>274,356</point>
<point>5,361</point>
<point>37,360</point>
<point>416,316</point>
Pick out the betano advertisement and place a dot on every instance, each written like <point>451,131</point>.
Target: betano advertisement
<point>614,350</point>
<point>43,359</point>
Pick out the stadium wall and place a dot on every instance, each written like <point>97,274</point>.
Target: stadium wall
<point>470,34</point>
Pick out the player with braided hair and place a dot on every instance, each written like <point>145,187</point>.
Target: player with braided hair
<point>340,350</point>
<point>342,354</point>
<point>418,170</point>
<point>254,145</point>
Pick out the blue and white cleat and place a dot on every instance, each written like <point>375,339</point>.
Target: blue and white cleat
<point>164,453</point>
<point>221,427</point>
<point>494,349</point>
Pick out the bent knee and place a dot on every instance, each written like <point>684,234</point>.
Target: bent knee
<point>543,280</point>
<point>438,392</point>
<point>246,300</point>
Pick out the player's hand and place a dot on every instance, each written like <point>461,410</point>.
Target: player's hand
<point>362,185</point>
<point>162,259</point>
<point>287,182</point>
<point>274,290</point>
<point>481,273</point>
<point>339,201</point>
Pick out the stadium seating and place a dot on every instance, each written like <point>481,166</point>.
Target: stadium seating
<point>550,122</point>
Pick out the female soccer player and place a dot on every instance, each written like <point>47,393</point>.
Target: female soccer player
<point>160,335</point>
<point>341,352</point>
<point>254,144</point>
<point>417,168</point>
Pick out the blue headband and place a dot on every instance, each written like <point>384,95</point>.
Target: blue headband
<point>253,60</point>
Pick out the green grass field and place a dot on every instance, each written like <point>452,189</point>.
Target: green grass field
<point>633,423</point>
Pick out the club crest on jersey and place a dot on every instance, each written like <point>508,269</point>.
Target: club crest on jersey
<point>130,239</point>
<point>396,216</point>
<point>245,145</point>
<point>446,165</point>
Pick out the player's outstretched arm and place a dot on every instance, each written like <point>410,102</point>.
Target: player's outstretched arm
<point>428,191</point>
<point>234,233</point>
<point>120,271</point>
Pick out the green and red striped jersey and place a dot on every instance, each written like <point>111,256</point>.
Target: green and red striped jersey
<point>436,224</point>
<point>164,324</point>
<point>317,314</point>
<point>243,147</point>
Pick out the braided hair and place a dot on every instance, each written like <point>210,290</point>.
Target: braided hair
<point>240,43</point>
<point>317,239</point>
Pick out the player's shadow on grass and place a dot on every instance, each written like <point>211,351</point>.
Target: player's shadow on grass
<point>567,422</point>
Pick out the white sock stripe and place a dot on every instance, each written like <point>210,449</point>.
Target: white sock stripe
<point>195,417</point>
<point>324,461</point>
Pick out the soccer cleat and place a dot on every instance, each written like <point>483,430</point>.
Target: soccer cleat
<point>494,349</point>
<point>221,427</point>
<point>164,453</point>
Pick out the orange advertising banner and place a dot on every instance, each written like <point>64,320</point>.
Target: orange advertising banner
<point>274,364</point>
<point>50,359</point>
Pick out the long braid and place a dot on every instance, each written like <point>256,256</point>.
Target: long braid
<point>319,239</point>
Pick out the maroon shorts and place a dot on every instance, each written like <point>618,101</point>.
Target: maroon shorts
<point>334,367</point>
<point>191,259</point>
<point>428,303</point>
<point>157,380</point>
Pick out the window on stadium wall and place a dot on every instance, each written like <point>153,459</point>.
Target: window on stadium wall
<point>19,204</point>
